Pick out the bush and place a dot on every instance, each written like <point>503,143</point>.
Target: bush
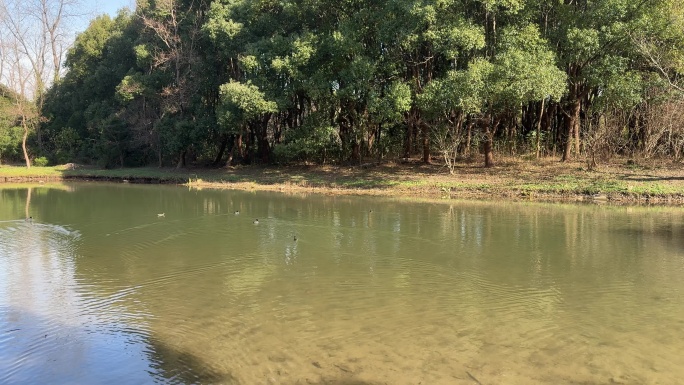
<point>40,162</point>
<point>317,144</point>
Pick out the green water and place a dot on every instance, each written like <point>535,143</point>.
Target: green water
<point>100,289</point>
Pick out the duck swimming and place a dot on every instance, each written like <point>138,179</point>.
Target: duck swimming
<point>256,221</point>
<point>161,215</point>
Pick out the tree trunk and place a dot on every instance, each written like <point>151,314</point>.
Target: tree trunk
<point>426,143</point>
<point>181,160</point>
<point>23,143</point>
<point>408,144</point>
<point>222,149</point>
<point>490,131</point>
<point>539,123</point>
<point>576,133</point>
<point>469,137</point>
<point>488,144</point>
<point>238,146</point>
<point>265,151</point>
<point>570,120</point>
<point>27,207</point>
<point>231,154</point>
<point>236,149</point>
<point>356,152</point>
<point>378,138</point>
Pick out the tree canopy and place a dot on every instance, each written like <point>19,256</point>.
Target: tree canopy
<point>253,81</point>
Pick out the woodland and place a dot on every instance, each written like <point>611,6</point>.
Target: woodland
<point>217,83</point>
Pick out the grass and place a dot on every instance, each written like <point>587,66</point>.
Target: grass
<point>23,172</point>
<point>514,178</point>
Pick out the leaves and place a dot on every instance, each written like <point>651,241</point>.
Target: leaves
<point>345,76</point>
<point>240,103</point>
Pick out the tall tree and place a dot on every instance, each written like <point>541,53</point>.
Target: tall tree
<point>34,36</point>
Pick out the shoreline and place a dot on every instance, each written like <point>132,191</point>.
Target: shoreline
<point>514,180</point>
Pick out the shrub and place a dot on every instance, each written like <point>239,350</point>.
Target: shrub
<point>317,144</point>
<point>40,162</point>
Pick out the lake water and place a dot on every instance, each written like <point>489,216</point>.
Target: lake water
<point>100,289</point>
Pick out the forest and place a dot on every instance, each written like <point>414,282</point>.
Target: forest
<point>216,83</point>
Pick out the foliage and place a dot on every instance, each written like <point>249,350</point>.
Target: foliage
<point>315,143</point>
<point>40,161</point>
<point>241,103</point>
<point>243,81</point>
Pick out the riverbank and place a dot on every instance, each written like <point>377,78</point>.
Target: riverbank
<point>621,181</point>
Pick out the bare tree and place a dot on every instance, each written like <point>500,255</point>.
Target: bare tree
<point>18,78</point>
<point>52,14</point>
<point>34,37</point>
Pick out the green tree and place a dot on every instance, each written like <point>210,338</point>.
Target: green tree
<point>241,106</point>
<point>10,130</point>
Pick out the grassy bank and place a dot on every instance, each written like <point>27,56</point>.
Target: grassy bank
<point>547,179</point>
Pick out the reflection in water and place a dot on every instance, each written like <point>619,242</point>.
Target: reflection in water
<point>46,332</point>
<point>370,292</point>
<point>183,367</point>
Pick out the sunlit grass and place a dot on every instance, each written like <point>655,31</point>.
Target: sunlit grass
<point>16,171</point>
<point>521,179</point>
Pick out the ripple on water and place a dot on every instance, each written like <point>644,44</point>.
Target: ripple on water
<point>51,327</point>
<point>215,299</point>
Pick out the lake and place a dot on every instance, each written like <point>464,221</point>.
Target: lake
<point>99,288</point>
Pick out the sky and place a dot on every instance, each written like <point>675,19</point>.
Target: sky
<point>94,8</point>
<point>108,6</point>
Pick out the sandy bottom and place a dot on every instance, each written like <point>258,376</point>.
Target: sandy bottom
<point>424,340</point>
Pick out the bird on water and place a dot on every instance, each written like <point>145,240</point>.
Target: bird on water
<point>256,221</point>
<point>161,215</point>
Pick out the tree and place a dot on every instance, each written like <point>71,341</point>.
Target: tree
<point>10,132</point>
<point>80,111</point>
<point>32,32</point>
<point>523,71</point>
<point>592,40</point>
<point>318,80</point>
<point>18,77</point>
<point>174,29</point>
<point>242,105</point>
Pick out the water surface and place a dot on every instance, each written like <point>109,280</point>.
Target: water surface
<point>100,289</point>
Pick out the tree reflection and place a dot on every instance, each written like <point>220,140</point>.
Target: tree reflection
<point>28,203</point>
<point>212,298</point>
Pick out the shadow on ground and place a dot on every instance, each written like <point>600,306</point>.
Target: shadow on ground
<point>182,367</point>
<point>650,178</point>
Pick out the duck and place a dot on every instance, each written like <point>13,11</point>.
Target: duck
<point>256,221</point>
<point>294,238</point>
<point>161,215</point>
<point>237,212</point>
